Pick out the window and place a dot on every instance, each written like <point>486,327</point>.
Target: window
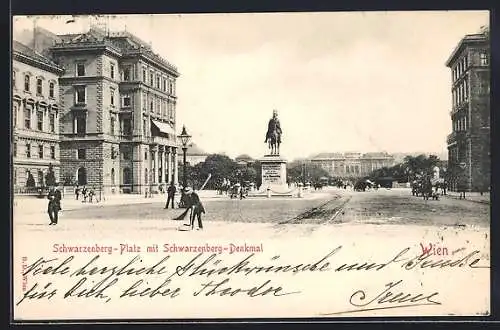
<point>164,84</point>
<point>51,89</point>
<point>112,176</point>
<point>80,69</point>
<point>112,96</point>
<point>483,58</point>
<point>28,150</point>
<point>40,151</point>
<point>126,155</point>
<point>15,109</point>
<point>39,117</point>
<point>27,118</point>
<point>14,149</point>
<point>113,153</point>
<point>52,123</point>
<point>27,83</point>
<point>126,74</point>
<point>466,91</point>
<point>127,127</point>
<point>80,124</point>
<point>151,78</point>
<point>112,70</point>
<point>146,156</point>
<point>158,104</point>
<point>151,106</point>
<point>53,152</point>
<point>126,100</point>
<point>158,79</point>
<point>39,85</point>
<point>144,126</point>
<point>144,75</point>
<point>144,101</point>
<point>14,79</point>
<point>81,153</point>
<point>80,96</point>
<point>112,126</point>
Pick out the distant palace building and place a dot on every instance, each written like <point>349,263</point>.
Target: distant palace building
<point>118,110</point>
<point>195,155</point>
<point>469,142</point>
<point>35,116</point>
<point>352,164</point>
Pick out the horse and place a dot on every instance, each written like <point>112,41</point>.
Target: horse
<point>274,142</point>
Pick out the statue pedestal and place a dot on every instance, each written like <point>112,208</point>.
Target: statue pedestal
<point>273,174</point>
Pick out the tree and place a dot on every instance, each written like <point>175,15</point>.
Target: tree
<point>50,177</point>
<point>30,182</point>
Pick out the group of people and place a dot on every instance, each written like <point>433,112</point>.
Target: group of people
<point>190,198</point>
<point>87,194</point>
<point>191,201</point>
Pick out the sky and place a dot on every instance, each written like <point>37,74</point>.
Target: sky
<point>341,82</point>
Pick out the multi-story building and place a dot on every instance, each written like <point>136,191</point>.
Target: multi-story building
<point>195,155</point>
<point>118,118</point>
<point>352,164</point>
<point>35,116</point>
<point>469,141</point>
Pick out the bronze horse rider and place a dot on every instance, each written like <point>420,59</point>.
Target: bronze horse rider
<point>273,135</point>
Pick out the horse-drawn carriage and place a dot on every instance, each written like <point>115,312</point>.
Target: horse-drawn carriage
<point>428,188</point>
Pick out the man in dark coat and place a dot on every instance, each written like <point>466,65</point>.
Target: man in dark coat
<point>54,197</point>
<point>194,203</point>
<point>274,125</point>
<point>171,190</point>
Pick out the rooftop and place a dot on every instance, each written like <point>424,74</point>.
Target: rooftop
<point>194,150</point>
<point>481,37</point>
<point>339,155</point>
<point>123,42</point>
<point>30,53</point>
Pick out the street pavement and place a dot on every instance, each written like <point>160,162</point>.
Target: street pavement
<point>328,206</point>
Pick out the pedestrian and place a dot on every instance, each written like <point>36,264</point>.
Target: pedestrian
<point>196,208</point>
<point>54,206</point>
<point>91,195</point>
<point>171,190</point>
<point>84,193</point>
<point>77,192</point>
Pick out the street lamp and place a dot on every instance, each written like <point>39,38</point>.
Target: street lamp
<point>185,137</point>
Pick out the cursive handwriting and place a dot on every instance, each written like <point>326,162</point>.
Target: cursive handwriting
<point>218,289</point>
<point>47,292</point>
<point>388,299</point>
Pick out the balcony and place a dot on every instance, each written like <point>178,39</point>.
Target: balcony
<point>456,136</point>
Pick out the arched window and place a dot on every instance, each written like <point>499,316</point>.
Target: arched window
<point>127,178</point>
<point>146,176</point>
<point>82,176</point>
<point>112,176</point>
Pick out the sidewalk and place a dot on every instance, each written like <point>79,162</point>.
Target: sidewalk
<point>33,205</point>
<point>470,196</point>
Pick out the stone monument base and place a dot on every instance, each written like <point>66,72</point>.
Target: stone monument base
<point>274,175</point>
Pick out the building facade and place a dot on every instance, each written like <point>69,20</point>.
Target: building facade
<point>35,116</point>
<point>353,164</point>
<point>469,142</point>
<point>194,155</point>
<point>118,118</point>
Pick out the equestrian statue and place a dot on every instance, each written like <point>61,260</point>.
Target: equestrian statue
<point>273,135</point>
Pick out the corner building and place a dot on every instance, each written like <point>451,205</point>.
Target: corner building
<point>469,141</point>
<point>118,126</point>
<point>35,116</point>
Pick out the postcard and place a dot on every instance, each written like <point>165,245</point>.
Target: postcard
<point>267,165</point>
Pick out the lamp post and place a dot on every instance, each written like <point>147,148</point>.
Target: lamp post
<point>185,137</point>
